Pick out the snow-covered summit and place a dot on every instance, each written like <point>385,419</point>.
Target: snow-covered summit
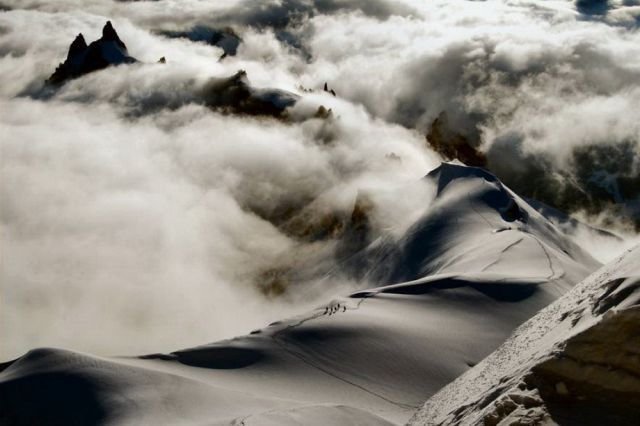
<point>479,262</point>
<point>474,224</point>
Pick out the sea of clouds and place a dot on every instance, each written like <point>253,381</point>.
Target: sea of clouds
<point>135,219</point>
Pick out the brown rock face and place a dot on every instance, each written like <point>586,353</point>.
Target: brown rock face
<point>576,363</point>
<point>235,95</point>
<point>452,145</point>
<point>592,381</point>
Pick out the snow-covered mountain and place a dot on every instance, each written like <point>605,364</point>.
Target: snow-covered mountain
<point>479,262</point>
<point>247,165</point>
<point>575,362</point>
<point>475,225</point>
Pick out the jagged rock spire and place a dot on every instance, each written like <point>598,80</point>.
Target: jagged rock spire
<point>82,58</point>
<point>78,46</point>
<point>109,34</point>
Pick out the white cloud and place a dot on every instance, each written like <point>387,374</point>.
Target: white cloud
<point>132,211</point>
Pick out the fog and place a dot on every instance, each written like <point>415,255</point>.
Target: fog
<point>135,219</point>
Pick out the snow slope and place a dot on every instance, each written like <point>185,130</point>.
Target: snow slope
<point>477,263</point>
<point>577,362</point>
<point>478,227</point>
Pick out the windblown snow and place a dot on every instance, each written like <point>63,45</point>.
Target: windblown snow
<point>477,263</point>
<point>319,212</point>
<point>575,362</point>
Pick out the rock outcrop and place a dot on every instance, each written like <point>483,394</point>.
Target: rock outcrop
<point>576,362</point>
<point>83,59</point>
<point>453,145</point>
<point>224,38</point>
<point>236,95</point>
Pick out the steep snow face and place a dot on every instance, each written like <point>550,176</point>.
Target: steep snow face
<point>475,225</point>
<point>576,362</point>
<point>481,262</point>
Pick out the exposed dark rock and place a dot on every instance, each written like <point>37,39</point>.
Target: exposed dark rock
<point>357,234</point>
<point>592,7</point>
<point>323,112</point>
<point>235,95</point>
<point>82,59</point>
<point>326,89</point>
<point>110,34</point>
<point>78,46</point>
<point>224,38</point>
<point>274,282</point>
<point>600,178</point>
<point>577,362</point>
<point>452,145</point>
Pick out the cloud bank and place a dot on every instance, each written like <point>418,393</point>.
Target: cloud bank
<point>137,219</point>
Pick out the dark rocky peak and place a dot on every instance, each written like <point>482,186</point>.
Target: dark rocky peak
<point>240,77</point>
<point>225,38</point>
<point>83,59</point>
<point>236,95</point>
<point>452,145</point>
<point>109,34</point>
<point>326,89</point>
<point>78,46</point>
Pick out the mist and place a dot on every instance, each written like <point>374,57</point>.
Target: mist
<point>135,218</point>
